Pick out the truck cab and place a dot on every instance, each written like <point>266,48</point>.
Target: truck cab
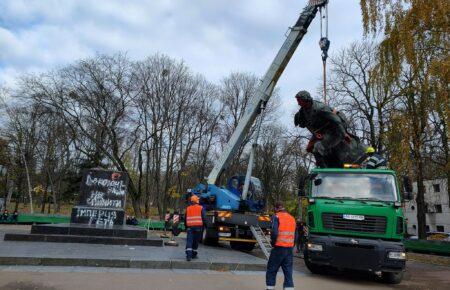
<point>355,221</point>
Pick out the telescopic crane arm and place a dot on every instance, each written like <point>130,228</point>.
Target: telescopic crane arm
<point>265,89</point>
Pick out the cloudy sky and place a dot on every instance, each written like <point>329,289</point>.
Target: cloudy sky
<point>214,37</point>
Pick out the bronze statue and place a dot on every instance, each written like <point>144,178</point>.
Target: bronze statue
<point>331,144</point>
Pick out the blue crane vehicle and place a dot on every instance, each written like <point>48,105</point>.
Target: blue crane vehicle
<point>235,211</point>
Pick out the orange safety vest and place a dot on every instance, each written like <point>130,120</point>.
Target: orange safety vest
<point>286,230</point>
<point>194,215</point>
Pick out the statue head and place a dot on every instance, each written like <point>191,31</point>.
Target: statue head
<point>304,99</point>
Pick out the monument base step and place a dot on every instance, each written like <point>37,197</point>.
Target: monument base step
<point>155,242</point>
<point>89,230</point>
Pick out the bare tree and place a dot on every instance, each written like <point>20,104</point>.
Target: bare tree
<point>93,97</point>
<point>22,132</point>
<point>175,109</point>
<point>279,160</point>
<point>154,119</point>
<point>356,86</point>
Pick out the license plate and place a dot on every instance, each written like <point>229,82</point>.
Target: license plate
<point>353,217</point>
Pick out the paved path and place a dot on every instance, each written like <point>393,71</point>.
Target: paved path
<point>72,254</point>
<point>418,275</point>
<point>73,278</point>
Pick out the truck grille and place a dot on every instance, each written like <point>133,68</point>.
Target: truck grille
<point>370,224</point>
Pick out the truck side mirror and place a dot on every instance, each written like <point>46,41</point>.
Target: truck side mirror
<point>317,181</point>
<point>407,188</point>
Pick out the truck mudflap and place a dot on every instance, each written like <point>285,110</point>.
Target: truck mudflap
<point>355,253</point>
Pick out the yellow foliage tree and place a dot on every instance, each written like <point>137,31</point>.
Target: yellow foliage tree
<point>414,60</point>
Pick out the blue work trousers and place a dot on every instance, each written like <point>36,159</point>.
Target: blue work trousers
<point>194,234</point>
<point>280,257</point>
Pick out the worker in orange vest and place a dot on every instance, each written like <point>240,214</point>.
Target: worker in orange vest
<point>195,217</point>
<point>282,239</point>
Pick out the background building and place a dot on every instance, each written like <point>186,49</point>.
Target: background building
<point>437,207</point>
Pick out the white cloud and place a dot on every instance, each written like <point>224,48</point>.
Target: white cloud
<point>212,37</point>
<point>10,46</point>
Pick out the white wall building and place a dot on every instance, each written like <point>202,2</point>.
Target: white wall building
<point>437,207</point>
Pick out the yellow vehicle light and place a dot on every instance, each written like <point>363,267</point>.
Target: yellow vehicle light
<point>224,214</point>
<point>264,218</point>
<point>347,165</point>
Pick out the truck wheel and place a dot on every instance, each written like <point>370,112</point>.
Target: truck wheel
<point>392,278</point>
<point>209,237</point>
<point>313,268</point>
<point>242,246</point>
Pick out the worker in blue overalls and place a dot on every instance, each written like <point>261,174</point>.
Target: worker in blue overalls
<point>195,218</point>
<point>282,240</point>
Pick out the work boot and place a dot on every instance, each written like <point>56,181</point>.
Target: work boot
<point>188,259</point>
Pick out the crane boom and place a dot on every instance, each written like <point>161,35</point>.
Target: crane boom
<point>265,89</point>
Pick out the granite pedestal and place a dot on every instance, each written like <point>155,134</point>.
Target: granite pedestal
<point>81,233</point>
<point>98,218</point>
<point>90,230</point>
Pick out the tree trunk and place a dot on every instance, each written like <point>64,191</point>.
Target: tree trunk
<point>136,207</point>
<point>134,198</point>
<point>30,194</point>
<point>44,198</point>
<point>148,197</point>
<point>6,189</point>
<point>58,203</point>
<point>19,191</point>
<point>420,200</point>
<point>10,192</point>
<point>50,180</point>
<point>448,188</point>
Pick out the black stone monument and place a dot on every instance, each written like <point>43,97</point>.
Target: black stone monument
<point>99,217</point>
<point>102,198</point>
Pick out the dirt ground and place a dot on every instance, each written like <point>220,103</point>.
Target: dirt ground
<point>418,275</point>
<point>422,272</point>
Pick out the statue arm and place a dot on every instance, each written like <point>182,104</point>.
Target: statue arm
<point>299,119</point>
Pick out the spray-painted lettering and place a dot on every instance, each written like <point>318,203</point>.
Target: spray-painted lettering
<point>97,198</point>
<point>98,216</point>
<point>116,187</point>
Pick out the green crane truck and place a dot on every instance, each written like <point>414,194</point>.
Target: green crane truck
<point>355,221</point>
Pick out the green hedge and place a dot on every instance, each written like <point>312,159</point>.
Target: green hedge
<point>43,219</point>
<point>154,225</point>
<point>59,219</point>
<point>426,246</point>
